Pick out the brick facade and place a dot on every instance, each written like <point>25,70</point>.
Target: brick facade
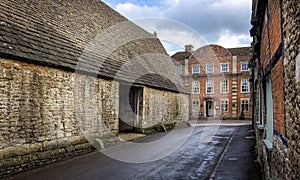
<point>204,101</point>
<point>276,33</point>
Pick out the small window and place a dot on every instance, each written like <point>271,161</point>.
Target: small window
<point>224,86</point>
<point>269,114</point>
<point>209,68</point>
<point>260,119</point>
<point>196,68</point>
<point>224,105</point>
<point>195,105</point>
<point>245,105</point>
<point>244,66</point>
<point>196,87</point>
<point>298,68</point>
<point>210,86</point>
<point>245,85</point>
<point>179,69</point>
<point>224,67</point>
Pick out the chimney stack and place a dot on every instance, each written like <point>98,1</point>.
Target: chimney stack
<point>188,48</point>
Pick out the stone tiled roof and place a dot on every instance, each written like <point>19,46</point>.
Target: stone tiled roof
<point>181,55</point>
<point>212,50</point>
<point>86,36</point>
<point>241,51</point>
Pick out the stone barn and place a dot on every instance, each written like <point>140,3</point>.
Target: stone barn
<point>74,69</point>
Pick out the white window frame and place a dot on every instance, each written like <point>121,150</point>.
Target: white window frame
<point>196,65</point>
<point>209,68</point>
<point>221,67</point>
<point>195,106</point>
<point>269,113</point>
<point>179,68</point>
<point>260,118</point>
<point>226,87</point>
<point>194,87</point>
<point>242,91</point>
<point>221,104</point>
<point>248,102</point>
<point>244,70</point>
<point>210,83</point>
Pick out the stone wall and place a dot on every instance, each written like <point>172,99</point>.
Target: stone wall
<point>46,114</point>
<point>164,107</point>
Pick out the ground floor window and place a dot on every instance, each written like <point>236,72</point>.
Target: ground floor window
<point>245,105</point>
<point>195,106</point>
<point>269,113</point>
<point>224,105</point>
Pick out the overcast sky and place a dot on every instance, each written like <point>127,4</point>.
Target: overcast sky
<point>196,22</point>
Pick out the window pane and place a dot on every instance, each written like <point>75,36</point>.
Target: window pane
<point>245,87</point>
<point>179,69</point>
<point>245,105</point>
<point>244,67</point>
<point>209,68</point>
<point>210,86</point>
<point>195,68</point>
<point>224,105</point>
<point>224,86</point>
<point>224,67</point>
<point>195,87</point>
<point>195,106</point>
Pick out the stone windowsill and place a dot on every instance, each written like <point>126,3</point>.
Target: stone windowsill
<point>260,127</point>
<point>268,144</point>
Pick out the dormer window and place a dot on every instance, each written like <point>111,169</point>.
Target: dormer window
<point>196,68</point>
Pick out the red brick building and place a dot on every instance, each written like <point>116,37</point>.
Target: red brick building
<point>218,79</point>
<point>275,66</point>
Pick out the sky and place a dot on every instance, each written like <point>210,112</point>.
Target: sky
<point>196,22</point>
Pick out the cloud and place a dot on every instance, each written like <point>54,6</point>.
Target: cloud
<point>211,17</point>
<point>223,22</point>
<point>231,40</point>
<point>133,11</point>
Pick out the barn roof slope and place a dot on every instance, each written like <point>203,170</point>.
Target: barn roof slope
<point>86,36</point>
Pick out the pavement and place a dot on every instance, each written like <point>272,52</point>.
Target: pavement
<point>238,160</point>
<point>230,154</point>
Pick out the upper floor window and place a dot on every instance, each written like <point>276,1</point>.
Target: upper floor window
<point>245,85</point>
<point>179,69</point>
<point>196,68</point>
<point>224,86</point>
<point>210,86</point>
<point>195,87</point>
<point>209,68</point>
<point>244,66</point>
<point>224,67</point>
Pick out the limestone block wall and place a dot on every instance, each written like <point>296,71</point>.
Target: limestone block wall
<point>45,114</point>
<point>164,107</point>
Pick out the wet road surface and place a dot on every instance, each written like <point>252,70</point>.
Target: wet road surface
<point>195,159</point>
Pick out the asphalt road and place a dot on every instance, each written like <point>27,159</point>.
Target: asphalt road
<point>190,153</point>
